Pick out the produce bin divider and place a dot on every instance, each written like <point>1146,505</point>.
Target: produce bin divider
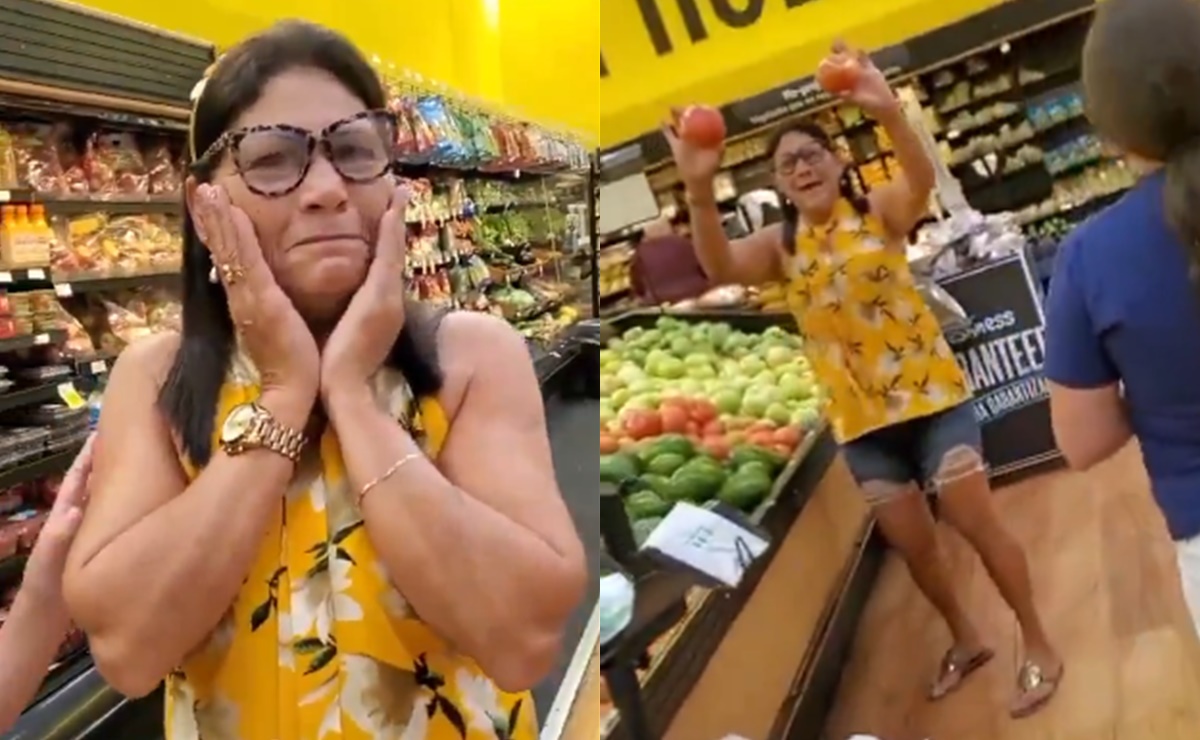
<point>668,685</point>
<point>806,709</point>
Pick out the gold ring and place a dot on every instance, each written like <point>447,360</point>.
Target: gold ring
<point>230,274</point>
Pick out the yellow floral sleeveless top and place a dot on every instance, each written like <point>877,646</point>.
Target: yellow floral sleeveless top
<point>319,644</point>
<point>871,340</point>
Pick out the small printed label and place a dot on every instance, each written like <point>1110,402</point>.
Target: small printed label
<point>6,277</point>
<point>98,366</point>
<point>5,196</point>
<point>37,274</point>
<point>70,396</point>
<point>63,290</point>
<point>41,339</point>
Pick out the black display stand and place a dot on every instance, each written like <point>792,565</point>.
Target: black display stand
<point>1003,353</point>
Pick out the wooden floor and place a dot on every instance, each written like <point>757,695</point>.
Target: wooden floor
<point>1104,572</point>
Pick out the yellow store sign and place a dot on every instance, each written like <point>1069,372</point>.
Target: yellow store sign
<point>659,53</point>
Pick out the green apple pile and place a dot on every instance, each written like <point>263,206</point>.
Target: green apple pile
<point>748,377</point>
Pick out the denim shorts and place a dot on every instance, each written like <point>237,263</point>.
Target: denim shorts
<point>913,451</point>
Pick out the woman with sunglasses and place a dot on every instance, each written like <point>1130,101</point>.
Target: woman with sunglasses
<point>900,405</point>
<point>319,511</point>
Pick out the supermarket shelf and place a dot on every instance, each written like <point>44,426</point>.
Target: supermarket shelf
<point>67,206</point>
<point>433,171</point>
<point>66,287</point>
<point>28,396</point>
<point>40,468</point>
<point>26,341</point>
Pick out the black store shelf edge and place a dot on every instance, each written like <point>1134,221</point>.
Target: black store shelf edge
<point>121,282</point>
<point>40,468</point>
<point>25,341</point>
<point>70,712</point>
<point>60,205</point>
<point>28,396</point>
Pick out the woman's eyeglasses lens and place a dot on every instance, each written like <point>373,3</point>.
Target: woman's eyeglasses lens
<point>811,157</point>
<point>274,161</point>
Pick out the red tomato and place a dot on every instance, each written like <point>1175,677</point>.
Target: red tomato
<point>838,74</point>
<point>716,446</point>
<point>714,428</point>
<point>702,126</point>
<point>674,419</point>
<point>641,424</point>
<point>788,436</point>
<point>608,444</point>
<point>783,450</point>
<point>703,411</point>
<point>761,438</point>
<point>693,428</point>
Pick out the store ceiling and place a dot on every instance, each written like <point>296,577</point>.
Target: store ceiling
<point>745,47</point>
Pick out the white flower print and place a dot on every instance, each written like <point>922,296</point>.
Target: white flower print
<point>181,720</point>
<point>331,722</point>
<point>393,601</point>
<point>218,719</point>
<point>287,655</point>
<point>222,637</point>
<point>480,700</point>
<point>317,598</point>
<point>383,700</point>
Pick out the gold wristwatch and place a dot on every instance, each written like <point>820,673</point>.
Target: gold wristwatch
<point>251,427</point>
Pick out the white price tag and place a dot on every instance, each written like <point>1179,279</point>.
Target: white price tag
<point>41,339</point>
<point>63,290</point>
<point>37,274</point>
<point>5,196</point>
<point>6,277</point>
<point>70,396</point>
<point>98,366</point>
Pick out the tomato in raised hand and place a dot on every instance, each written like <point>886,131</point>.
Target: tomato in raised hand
<point>701,126</point>
<point>838,74</point>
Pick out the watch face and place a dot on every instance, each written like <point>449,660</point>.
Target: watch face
<point>237,423</point>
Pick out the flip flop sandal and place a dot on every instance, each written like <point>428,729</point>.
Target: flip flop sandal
<point>955,668</point>
<point>1035,689</point>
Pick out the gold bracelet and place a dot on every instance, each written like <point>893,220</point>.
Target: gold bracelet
<point>386,474</point>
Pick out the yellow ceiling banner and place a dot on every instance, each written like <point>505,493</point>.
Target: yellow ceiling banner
<point>534,57</point>
<point>659,53</point>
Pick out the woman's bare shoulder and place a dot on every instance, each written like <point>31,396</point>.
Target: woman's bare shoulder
<point>467,341</point>
<point>150,359</point>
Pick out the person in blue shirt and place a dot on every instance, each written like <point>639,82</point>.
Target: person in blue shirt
<point>1123,313</point>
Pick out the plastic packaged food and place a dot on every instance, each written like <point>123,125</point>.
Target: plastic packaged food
<point>49,414</point>
<point>8,160</point>
<point>10,538</point>
<point>163,174</point>
<point>31,522</point>
<point>10,501</point>
<point>69,441</point>
<point>115,166</point>
<point>36,155</point>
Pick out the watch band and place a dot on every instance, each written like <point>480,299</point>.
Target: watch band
<point>266,432</point>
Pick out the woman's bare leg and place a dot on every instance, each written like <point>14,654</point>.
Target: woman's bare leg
<point>907,524</point>
<point>965,500</point>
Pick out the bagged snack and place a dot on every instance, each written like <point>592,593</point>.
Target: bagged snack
<point>73,162</point>
<point>36,157</point>
<point>8,160</point>
<point>164,177</point>
<point>115,166</point>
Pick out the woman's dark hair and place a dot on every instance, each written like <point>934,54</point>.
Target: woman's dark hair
<point>845,186</point>
<point>1141,74</point>
<point>190,394</point>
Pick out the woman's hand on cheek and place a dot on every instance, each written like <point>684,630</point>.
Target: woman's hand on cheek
<point>366,333</point>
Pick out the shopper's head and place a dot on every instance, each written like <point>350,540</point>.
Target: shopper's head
<point>315,209</point>
<point>808,171</point>
<point>1141,71</point>
<point>315,225</point>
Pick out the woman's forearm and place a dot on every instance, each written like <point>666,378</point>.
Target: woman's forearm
<point>29,641</point>
<point>708,234</point>
<point>910,152</point>
<point>151,595</point>
<point>441,547</point>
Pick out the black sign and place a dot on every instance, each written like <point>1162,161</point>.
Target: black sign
<point>1003,351</point>
<point>802,95</point>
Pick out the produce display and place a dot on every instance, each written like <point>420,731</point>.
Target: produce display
<point>111,321</point>
<point>697,411</point>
